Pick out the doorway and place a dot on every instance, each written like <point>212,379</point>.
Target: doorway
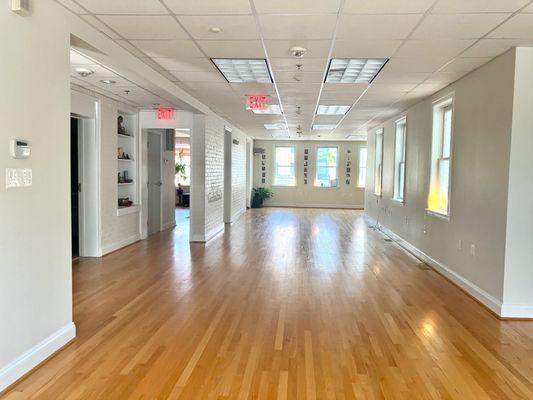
<point>155,182</point>
<point>74,188</point>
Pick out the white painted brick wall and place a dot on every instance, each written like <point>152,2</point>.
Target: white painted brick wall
<point>214,174</point>
<point>238,175</point>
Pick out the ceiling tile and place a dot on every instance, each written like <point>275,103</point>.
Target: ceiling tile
<point>196,76</point>
<point>298,26</point>
<point>457,26</point>
<point>299,77</point>
<point>518,27</point>
<point>168,48</point>
<point>387,6</point>
<point>232,48</point>
<point>296,6</point>
<point>412,65</point>
<point>495,47</point>
<point>387,76</point>
<point>315,48</point>
<point>100,26</point>
<point>236,27</point>
<point>145,27</point>
<point>478,6</point>
<point>131,48</point>
<point>186,64</point>
<point>365,48</point>
<point>442,49</point>
<point>72,6</point>
<point>307,64</point>
<point>465,64</point>
<point>374,27</point>
<point>123,6</point>
<point>209,7</point>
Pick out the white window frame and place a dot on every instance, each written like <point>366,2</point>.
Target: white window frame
<point>399,183</point>
<point>438,110</point>
<point>336,167</point>
<point>274,175</point>
<point>359,168</point>
<point>378,164</point>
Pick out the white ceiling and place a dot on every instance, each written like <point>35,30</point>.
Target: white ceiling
<point>430,43</point>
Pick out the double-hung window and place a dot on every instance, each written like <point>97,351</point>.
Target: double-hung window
<point>378,163</point>
<point>361,177</point>
<point>399,160</point>
<point>284,166</point>
<point>327,161</point>
<point>441,152</point>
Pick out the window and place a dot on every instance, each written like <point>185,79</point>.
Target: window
<point>284,174</point>
<point>399,160</point>
<point>326,167</point>
<point>361,178</point>
<point>441,151</point>
<point>378,163</point>
<point>182,153</point>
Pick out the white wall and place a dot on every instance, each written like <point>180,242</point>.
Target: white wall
<point>35,242</point>
<point>518,286</point>
<point>480,166</point>
<point>343,196</point>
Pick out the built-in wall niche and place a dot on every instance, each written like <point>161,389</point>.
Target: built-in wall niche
<point>127,163</point>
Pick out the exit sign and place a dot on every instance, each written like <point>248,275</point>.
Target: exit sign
<point>165,113</point>
<point>257,102</point>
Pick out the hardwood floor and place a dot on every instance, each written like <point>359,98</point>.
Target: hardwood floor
<point>288,304</point>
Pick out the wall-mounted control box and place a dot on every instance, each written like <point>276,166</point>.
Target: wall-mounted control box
<point>20,148</point>
<point>18,177</point>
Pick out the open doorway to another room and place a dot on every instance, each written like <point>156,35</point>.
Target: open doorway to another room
<point>182,178</point>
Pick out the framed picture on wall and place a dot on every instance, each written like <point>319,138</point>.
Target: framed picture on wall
<point>263,180</point>
<point>306,151</point>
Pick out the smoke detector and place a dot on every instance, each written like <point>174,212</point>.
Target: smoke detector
<point>298,51</point>
<point>84,72</point>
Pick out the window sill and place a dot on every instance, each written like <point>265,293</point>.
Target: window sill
<point>326,187</point>
<point>437,214</point>
<point>399,202</point>
<point>283,186</point>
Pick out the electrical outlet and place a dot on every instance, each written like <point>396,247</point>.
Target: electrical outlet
<point>459,245</point>
<point>473,250</point>
<point>425,229</point>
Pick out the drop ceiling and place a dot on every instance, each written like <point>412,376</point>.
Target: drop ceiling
<point>430,44</point>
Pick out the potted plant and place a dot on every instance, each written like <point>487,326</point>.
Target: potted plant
<point>180,169</point>
<point>259,195</point>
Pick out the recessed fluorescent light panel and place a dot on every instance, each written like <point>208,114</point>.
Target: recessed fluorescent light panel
<point>332,110</point>
<point>275,127</point>
<point>243,71</point>
<point>321,127</point>
<point>354,70</point>
<point>274,109</point>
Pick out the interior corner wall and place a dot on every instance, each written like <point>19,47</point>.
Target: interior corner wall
<point>238,174</point>
<point>518,291</point>
<point>35,238</point>
<point>343,196</point>
<point>479,175</point>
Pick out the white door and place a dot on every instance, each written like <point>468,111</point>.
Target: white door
<point>154,183</point>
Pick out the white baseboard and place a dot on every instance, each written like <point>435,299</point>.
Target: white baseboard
<point>36,355</point>
<point>237,215</point>
<point>472,289</point>
<point>313,205</point>
<point>123,243</point>
<point>199,238</point>
<point>516,311</point>
<point>168,225</point>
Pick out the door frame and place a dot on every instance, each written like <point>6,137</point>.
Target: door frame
<point>86,110</point>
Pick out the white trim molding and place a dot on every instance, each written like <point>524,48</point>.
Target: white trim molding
<point>516,311</point>
<point>123,243</point>
<point>36,355</point>
<point>303,205</point>
<point>472,289</point>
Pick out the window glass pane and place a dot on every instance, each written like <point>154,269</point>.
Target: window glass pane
<point>284,169</point>
<point>361,178</point>
<point>326,167</point>
<point>182,153</point>
<point>447,133</point>
<point>378,163</point>
<point>399,158</point>
<point>443,185</point>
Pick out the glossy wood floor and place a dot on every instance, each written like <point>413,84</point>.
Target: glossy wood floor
<point>288,304</point>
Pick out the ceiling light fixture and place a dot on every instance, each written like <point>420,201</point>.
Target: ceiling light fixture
<point>323,127</point>
<point>108,81</point>
<point>273,109</point>
<point>215,29</point>
<point>84,72</point>
<point>354,70</point>
<point>298,51</point>
<point>244,70</point>
<point>275,127</point>
<point>332,110</point>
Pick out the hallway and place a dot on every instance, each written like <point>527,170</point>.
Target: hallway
<point>287,304</point>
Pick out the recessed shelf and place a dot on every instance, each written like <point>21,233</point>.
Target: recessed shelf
<point>125,159</point>
<point>128,210</point>
<point>125,183</point>
<point>125,136</point>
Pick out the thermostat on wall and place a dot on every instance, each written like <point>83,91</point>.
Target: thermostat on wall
<point>20,148</point>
